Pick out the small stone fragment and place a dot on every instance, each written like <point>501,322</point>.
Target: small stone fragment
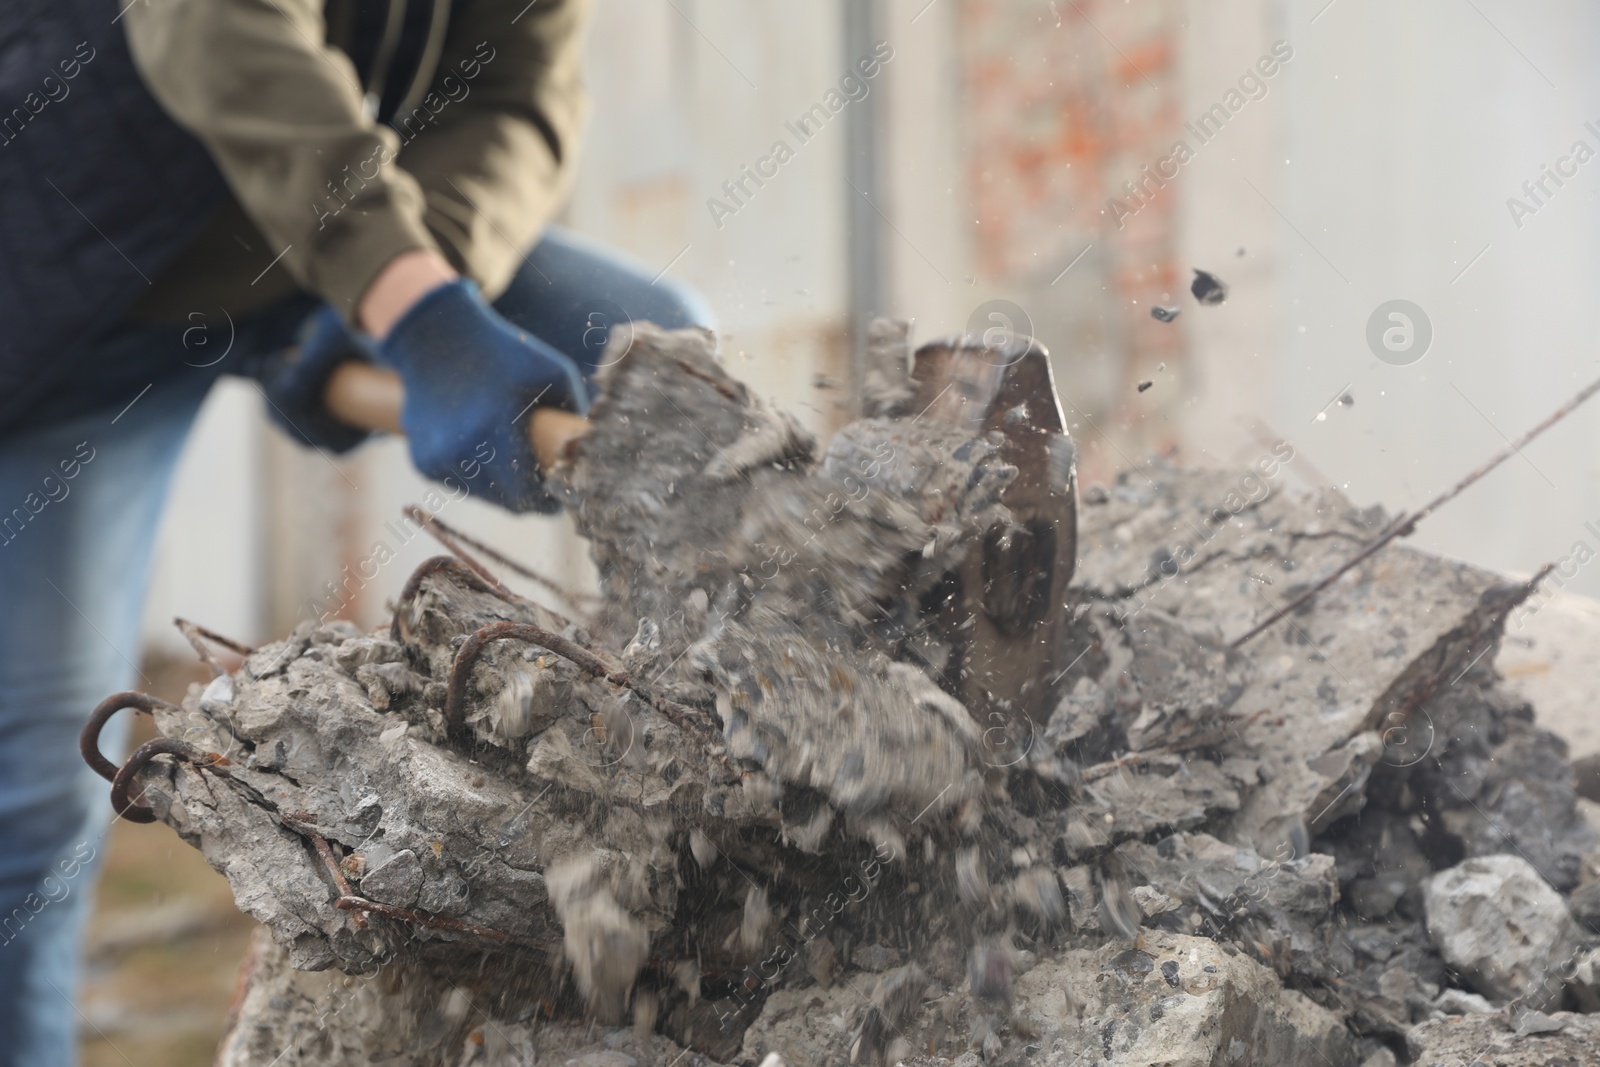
<point>645,1008</point>
<point>887,387</point>
<point>605,945</point>
<point>1460,1002</point>
<point>895,999</point>
<point>686,975</point>
<point>1118,912</point>
<point>1208,288</point>
<point>514,706</point>
<point>757,917</point>
<point>822,962</point>
<point>991,967</point>
<point>396,881</point>
<point>705,853</point>
<point>1038,892</point>
<point>1153,902</point>
<point>1525,1021</point>
<point>1485,1039</point>
<point>972,882</point>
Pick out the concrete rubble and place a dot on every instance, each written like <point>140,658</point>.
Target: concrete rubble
<point>1502,927</point>
<point>737,813</point>
<point>1174,999</point>
<point>1559,1039</point>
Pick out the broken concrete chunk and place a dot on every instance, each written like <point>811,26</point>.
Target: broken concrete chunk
<point>1502,926</point>
<point>1212,549</point>
<point>1460,1002</point>
<point>886,386</point>
<point>1585,902</point>
<point>397,881</point>
<point>353,652</point>
<point>1184,681</point>
<point>1279,910</point>
<point>388,684</point>
<point>1484,1039</point>
<point>1180,1001</point>
<point>605,945</point>
<point>1491,768</point>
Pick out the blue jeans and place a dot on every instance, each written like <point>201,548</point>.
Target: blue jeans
<point>82,486</point>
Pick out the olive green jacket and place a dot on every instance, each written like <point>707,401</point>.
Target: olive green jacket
<point>476,163</point>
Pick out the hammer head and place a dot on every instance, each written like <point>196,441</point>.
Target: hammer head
<point>1005,613</point>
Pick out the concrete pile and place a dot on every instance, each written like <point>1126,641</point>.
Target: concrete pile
<point>732,816</point>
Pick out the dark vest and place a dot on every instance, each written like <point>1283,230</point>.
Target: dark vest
<point>100,189</point>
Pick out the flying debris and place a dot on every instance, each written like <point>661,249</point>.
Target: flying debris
<point>1147,383</point>
<point>1208,288</point>
<point>1162,313</point>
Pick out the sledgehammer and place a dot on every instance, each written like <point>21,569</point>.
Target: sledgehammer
<point>371,397</point>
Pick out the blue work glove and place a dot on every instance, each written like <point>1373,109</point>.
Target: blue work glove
<point>472,381</point>
<point>295,386</point>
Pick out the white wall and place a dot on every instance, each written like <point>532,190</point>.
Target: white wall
<point>210,548</point>
<point>1236,347</point>
<point>1390,145</point>
<point>1408,128</point>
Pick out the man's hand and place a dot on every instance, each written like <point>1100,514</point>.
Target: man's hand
<point>471,382</point>
<point>296,386</point>
<point>403,281</point>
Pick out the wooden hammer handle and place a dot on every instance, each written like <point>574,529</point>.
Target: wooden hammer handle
<point>371,397</point>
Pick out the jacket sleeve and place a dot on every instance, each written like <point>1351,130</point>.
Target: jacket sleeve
<point>337,193</point>
<point>495,143</point>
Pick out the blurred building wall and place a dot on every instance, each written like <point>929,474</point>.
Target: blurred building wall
<point>1011,128</point>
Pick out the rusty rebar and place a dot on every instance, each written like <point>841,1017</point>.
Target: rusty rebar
<point>337,873</point>
<point>89,739</point>
<point>198,635</point>
<point>473,646</point>
<point>438,922</point>
<point>461,672</point>
<point>1202,739</point>
<point>444,533</point>
<point>425,519</point>
<point>1406,524</point>
<point>123,804</point>
<point>413,587</point>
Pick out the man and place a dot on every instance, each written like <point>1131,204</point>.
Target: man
<point>361,179</point>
